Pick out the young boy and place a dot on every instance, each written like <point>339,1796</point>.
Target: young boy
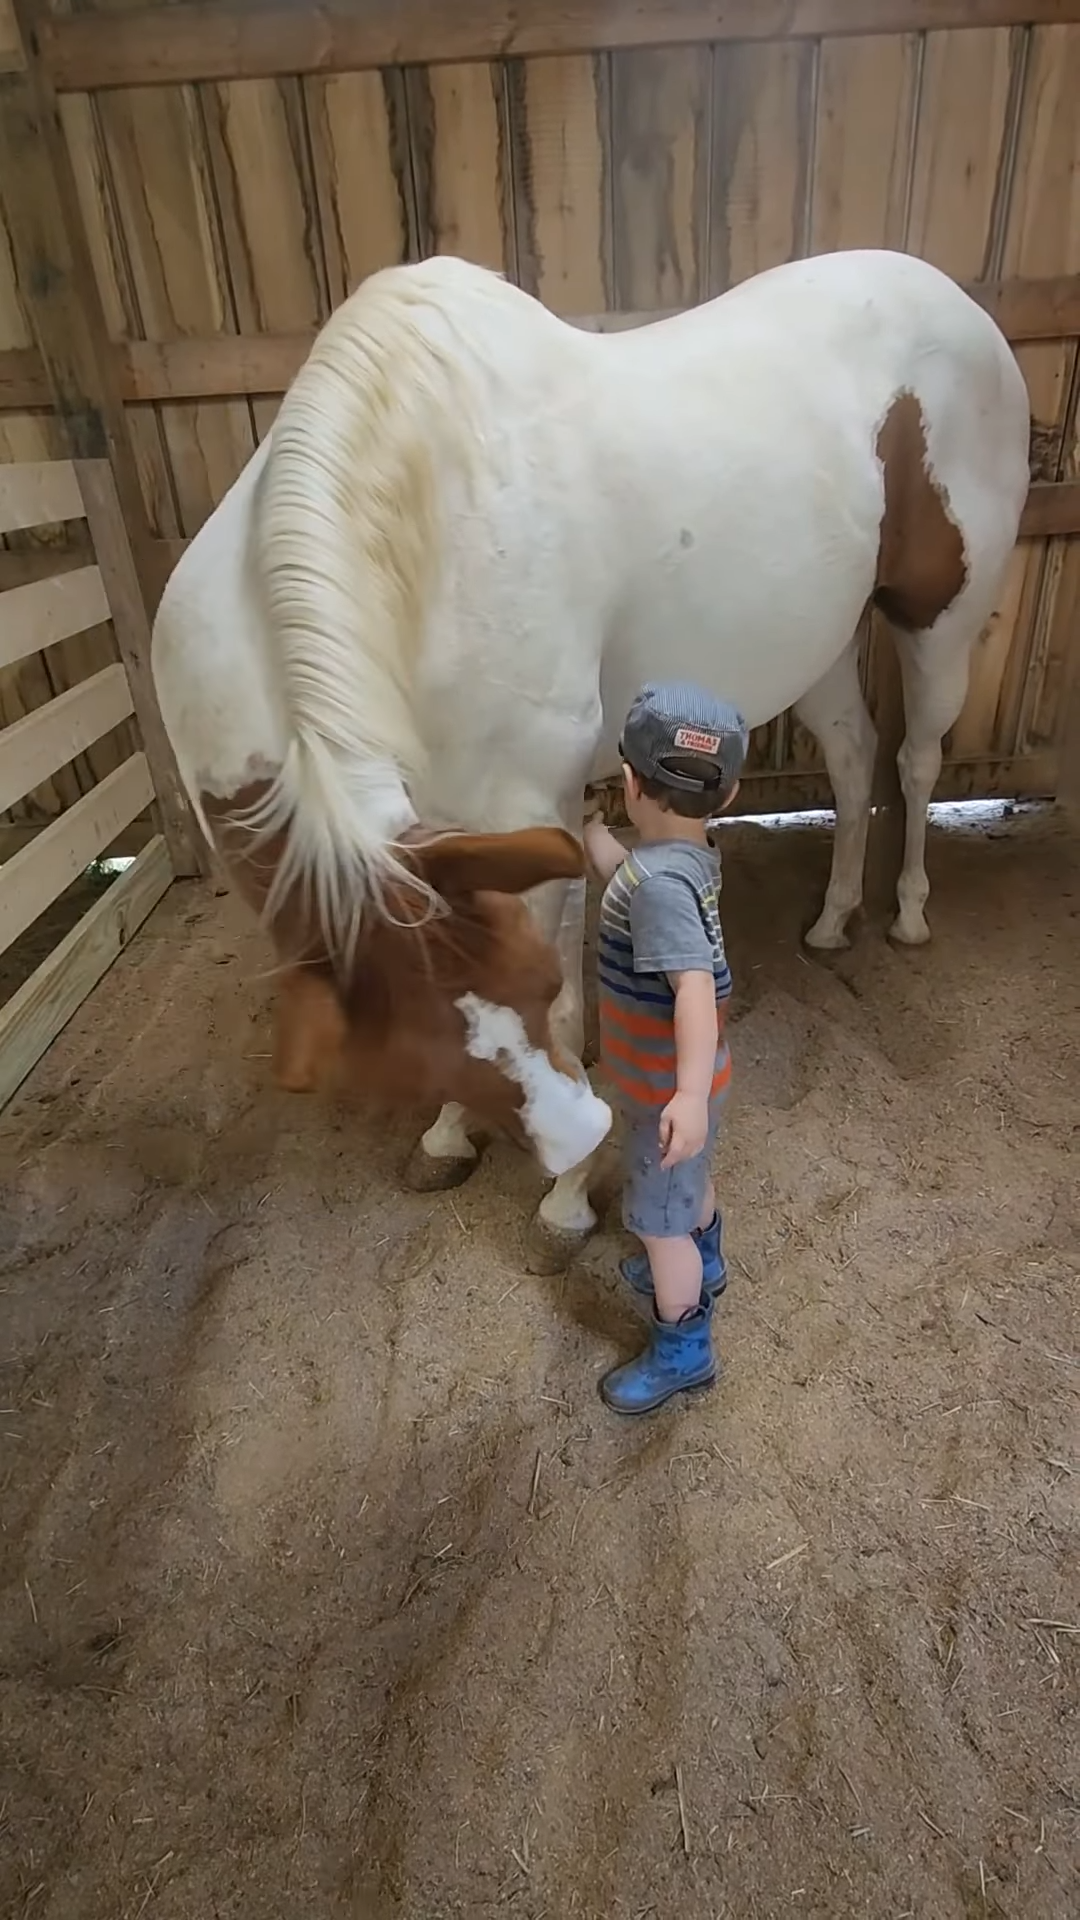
<point>664,984</point>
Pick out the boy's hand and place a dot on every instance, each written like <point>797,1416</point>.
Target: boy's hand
<point>684,1128</point>
<point>596,835</point>
<point>604,852</point>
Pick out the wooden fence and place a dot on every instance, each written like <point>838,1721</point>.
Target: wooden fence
<point>34,617</point>
<point>187,190</point>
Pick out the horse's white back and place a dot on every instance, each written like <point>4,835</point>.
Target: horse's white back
<point>702,497</point>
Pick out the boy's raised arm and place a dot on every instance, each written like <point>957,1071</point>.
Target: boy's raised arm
<point>605,853</point>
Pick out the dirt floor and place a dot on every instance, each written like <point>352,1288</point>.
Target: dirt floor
<point>330,1588</point>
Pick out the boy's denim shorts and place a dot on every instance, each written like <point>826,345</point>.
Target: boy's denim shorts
<point>662,1203</point>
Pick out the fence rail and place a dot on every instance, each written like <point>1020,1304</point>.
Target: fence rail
<point>33,616</point>
<point>173,44</point>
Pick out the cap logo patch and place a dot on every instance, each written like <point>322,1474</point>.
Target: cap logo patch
<point>695,740</point>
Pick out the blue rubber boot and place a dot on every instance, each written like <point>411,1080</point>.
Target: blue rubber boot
<point>637,1273</point>
<point>678,1358</point>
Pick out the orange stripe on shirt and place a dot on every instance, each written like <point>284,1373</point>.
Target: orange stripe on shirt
<point>645,1096</point>
<point>644,1025</point>
<point>615,1048</point>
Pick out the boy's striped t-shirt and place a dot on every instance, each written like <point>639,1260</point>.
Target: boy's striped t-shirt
<point>659,915</point>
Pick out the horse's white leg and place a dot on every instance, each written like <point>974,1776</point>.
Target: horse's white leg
<point>934,668</point>
<point>565,1217</point>
<point>835,712</point>
<point>444,1156</point>
<point>447,1138</point>
<point>565,1208</point>
<point>568,934</point>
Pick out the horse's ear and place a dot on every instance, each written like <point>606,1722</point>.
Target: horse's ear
<point>463,863</point>
<point>310,1030</point>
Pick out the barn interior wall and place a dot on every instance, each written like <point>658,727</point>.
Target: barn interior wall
<point>225,218</point>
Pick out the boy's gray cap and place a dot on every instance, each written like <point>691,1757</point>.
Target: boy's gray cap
<point>676,720</point>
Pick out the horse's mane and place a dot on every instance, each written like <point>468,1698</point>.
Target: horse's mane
<point>348,540</point>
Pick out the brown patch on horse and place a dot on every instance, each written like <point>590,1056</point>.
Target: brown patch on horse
<point>464,863</point>
<point>252,863</point>
<point>310,1031</point>
<point>388,1022</point>
<point>922,565</point>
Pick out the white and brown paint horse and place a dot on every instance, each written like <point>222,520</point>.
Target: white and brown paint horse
<point>428,599</point>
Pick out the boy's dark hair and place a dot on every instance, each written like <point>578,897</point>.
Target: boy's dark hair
<point>678,800</point>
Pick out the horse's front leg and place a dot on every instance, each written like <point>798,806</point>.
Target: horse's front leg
<point>565,1217</point>
<point>444,1156</point>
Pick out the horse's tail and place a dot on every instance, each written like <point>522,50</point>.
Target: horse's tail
<point>346,536</point>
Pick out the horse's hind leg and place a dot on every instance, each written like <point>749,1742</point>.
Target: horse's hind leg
<point>835,711</point>
<point>945,541</point>
<point>934,667</point>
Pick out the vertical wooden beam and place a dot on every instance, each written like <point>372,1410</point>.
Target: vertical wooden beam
<point>1066,611</point>
<point>128,608</point>
<point>56,278</point>
<point>11,52</point>
<point>1068,792</point>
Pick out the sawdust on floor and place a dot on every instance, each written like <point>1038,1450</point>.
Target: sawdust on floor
<point>330,1588</point>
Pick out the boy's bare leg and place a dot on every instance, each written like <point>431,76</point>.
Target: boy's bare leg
<point>676,1272</point>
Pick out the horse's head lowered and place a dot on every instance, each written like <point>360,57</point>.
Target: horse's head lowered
<point>452,1006</point>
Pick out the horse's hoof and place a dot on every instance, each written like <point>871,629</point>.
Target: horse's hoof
<point>826,937</point>
<point>431,1173</point>
<point>551,1250</point>
<point>911,932</point>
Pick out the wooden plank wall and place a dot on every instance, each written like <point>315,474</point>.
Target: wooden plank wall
<point>226,215</point>
<point>31,681</point>
<point>52,952</point>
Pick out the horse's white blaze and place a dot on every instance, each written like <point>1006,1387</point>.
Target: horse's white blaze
<point>563,1117</point>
